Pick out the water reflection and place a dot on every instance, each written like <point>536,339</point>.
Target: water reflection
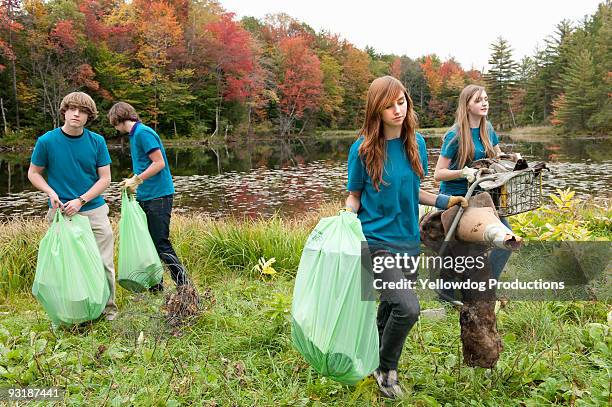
<point>263,178</point>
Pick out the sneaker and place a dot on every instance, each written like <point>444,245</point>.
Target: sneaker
<point>157,289</point>
<point>110,312</point>
<point>388,384</point>
<point>111,315</point>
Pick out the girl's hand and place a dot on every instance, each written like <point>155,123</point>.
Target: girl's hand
<point>469,174</point>
<point>457,200</point>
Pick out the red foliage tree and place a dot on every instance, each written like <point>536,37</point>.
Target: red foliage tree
<point>474,76</point>
<point>395,69</point>
<point>431,71</point>
<point>95,29</point>
<point>10,26</point>
<point>63,36</point>
<point>449,69</point>
<point>300,84</point>
<point>232,52</point>
<point>84,76</point>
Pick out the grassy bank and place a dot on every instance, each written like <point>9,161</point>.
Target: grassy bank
<point>331,134</point>
<point>547,133</point>
<point>20,143</point>
<point>534,133</point>
<point>238,352</point>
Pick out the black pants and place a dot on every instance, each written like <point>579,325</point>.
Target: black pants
<point>158,213</point>
<point>398,311</point>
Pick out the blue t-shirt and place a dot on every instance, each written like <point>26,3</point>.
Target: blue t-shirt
<point>72,163</point>
<point>143,141</point>
<point>449,149</point>
<point>390,215</point>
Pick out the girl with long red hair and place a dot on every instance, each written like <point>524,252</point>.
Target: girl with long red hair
<point>385,167</point>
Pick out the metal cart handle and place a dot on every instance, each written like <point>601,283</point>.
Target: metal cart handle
<point>451,232</point>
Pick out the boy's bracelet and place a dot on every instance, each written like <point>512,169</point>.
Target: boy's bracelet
<point>349,208</point>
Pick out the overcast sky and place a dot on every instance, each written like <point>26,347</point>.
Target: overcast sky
<point>463,29</point>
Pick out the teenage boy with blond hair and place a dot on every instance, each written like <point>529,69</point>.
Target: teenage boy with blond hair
<point>77,164</point>
<point>152,183</point>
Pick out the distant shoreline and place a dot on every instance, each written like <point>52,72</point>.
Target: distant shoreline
<point>524,133</point>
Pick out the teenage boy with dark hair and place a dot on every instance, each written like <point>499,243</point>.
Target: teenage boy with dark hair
<point>152,183</point>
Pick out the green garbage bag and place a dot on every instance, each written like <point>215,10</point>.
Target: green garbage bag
<point>332,326</point>
<point>70,281</point>
<point>139,264</point>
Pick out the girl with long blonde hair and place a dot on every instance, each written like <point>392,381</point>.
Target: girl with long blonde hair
<point>385,167</point>
<point>471,138</point>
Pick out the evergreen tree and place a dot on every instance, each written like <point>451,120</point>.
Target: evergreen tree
<point>543,87</point>
<point>527,70</point>
<point>585,79</point>
<point>601,29</point>
<point>579,82</point>
<point>501,82</point>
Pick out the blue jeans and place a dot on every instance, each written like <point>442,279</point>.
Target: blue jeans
<point>398,311</point>
<point>499,257</point>
<point>158,211</point>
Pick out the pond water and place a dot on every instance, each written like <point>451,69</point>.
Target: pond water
<point>263,178</point>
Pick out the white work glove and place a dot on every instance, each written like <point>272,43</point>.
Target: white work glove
<point>131,184</point>
<point>469,174</point>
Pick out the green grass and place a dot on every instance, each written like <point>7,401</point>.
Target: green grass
<point>18,250</point>
<point>202,243</point>
<point>238,352</point>
<point>550,130</point>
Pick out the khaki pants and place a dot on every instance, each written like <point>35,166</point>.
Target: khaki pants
<point>101,227</point>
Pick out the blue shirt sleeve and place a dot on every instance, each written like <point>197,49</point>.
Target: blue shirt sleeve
<point>450,145</point>
<point>356,170</point>
<point>423,153</point>
<point>103,157</point>
<point>39,155</point>
<point>493,136</point>
<point>147,141</point>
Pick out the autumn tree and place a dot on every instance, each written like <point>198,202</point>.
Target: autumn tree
<point>159,31</point>
<point>299,82</point>
<point>232,52</point>
<point>355,80</point>
<point>333,92</point>
<point>8,28</point>
<point>190,68</point>
<point>280,26</point>
<point>431,70</point>
<point>58,63</point>
<point>395,69</point>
